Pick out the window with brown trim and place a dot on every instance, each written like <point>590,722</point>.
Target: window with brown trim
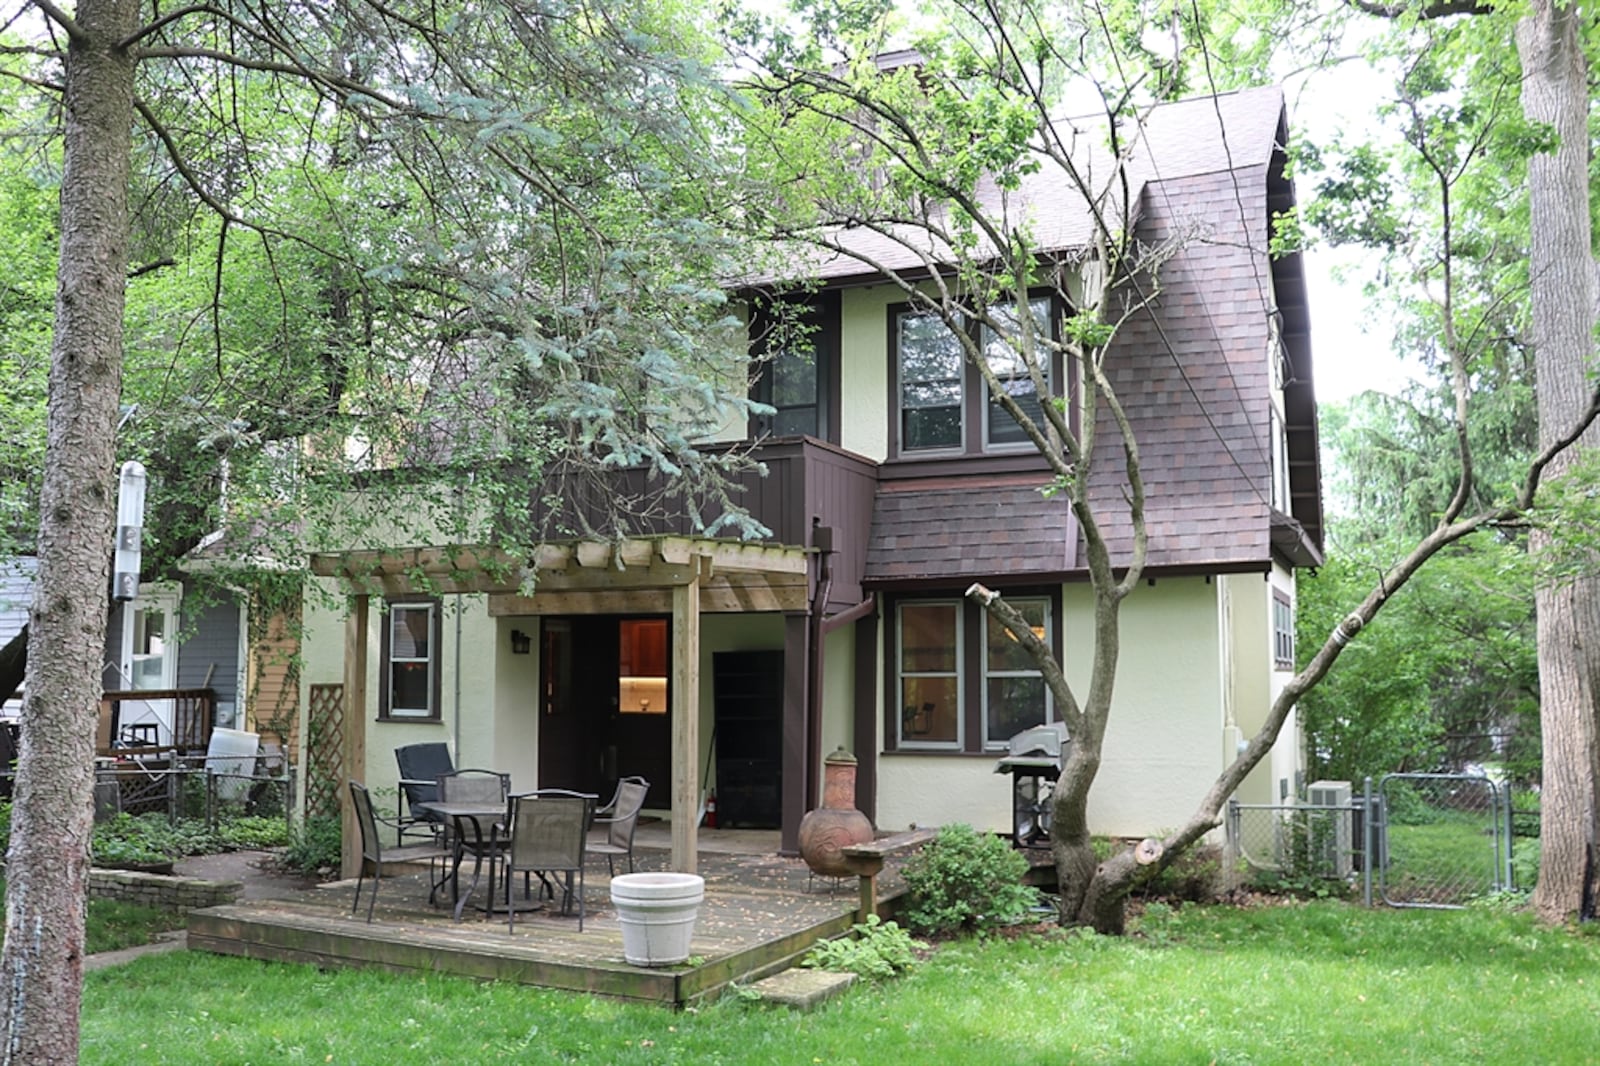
<point>957,680</point>
<point>939,403</point>
<point>409,672</point>
<point>1282,631</point>
<point>796,373</point>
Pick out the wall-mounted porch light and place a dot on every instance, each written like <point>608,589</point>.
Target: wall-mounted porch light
<point>520,642</point>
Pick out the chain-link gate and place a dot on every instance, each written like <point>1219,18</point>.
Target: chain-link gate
<point>1440,840</point>
<point>1416,840</point>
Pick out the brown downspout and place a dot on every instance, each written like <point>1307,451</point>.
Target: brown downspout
<point>822,541</point>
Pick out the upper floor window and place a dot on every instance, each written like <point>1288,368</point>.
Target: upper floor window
<point>410,669</point>
<point>942,404</point>
<point>1003,352</point>
<point>931,371</point>
<point>961,681</point>
<point>799,372</point>
<point>1280,461</point>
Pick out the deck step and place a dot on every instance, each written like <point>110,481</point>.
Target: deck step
<point>802,989</point>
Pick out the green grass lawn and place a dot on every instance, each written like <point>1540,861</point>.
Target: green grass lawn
<point>112,924</point>
<point>1324,983</point>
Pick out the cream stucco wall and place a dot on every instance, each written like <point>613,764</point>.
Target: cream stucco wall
<point>1246,601</point>
<point>1287,763</point>
<point>838,694</point>
<point>468,680</point>
<point>864,375</point>
<point>1163,743</point>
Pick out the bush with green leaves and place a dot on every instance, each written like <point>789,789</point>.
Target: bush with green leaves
<point>252,832</point>
<point>314,845</point>
<point>966,881</point>
<point>875,950</point>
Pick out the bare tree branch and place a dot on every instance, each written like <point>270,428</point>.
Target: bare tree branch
<point>62,19</point>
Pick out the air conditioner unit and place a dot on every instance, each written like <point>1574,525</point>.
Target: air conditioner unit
<point>1328,823</point>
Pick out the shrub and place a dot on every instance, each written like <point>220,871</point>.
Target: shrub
<point>314,845</point>
<point>1194,876</point>
<point>875,950</point>
<point>252,832</point>
<point>965,880</point>
<point>142,839</point>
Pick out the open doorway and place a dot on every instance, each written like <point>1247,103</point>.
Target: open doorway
<point>604,702</point>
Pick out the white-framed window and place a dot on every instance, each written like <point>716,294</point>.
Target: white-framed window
<point>1280,461</point>
<point>941,404</point>
<point>1005,359</point>
<point>410,668</point>
<point>1014,693</point>
<point>957,680</point>
<point>929,673</point>
<point>1282,631</point>
<point>931,368</point>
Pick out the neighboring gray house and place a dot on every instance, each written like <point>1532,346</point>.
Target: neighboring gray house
<point>16,596</point>
<point>171,640</point>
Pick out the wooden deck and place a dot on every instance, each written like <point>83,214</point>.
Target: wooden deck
<point>761,912</point>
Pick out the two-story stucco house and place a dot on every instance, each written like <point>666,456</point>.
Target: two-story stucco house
<point>704,664</point>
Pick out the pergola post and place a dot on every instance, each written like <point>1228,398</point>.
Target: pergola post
<point>686,724</point>
<point>353,741</point>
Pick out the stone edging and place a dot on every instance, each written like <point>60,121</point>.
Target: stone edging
<point>166,891</point>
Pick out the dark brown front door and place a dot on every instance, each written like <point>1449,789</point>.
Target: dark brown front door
<point>604,710</point>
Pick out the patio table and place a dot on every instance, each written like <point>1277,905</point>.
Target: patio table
<point>478,819</point>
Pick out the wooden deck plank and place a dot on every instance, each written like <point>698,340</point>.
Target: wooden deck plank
<point>761,912</point>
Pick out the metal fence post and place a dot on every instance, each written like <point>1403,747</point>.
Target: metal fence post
<point>1366,841</point>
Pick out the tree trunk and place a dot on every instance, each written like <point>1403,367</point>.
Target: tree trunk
<point>1071,844</point>
<point>41,967</point>
<point>1561,270</point>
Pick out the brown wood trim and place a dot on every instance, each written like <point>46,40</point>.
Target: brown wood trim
<point>866,739</point>
<point>796,774</point>
<point>975,474</point>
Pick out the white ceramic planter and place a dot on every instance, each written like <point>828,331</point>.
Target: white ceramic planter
<point>657,912</point>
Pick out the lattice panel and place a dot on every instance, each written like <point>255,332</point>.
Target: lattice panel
<point>325,749</point>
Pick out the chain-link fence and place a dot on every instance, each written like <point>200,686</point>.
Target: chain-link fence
<point>1413,840</point>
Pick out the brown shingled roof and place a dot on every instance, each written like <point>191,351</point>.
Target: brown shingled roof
<point>1176,140</point>
<point>962,532</point>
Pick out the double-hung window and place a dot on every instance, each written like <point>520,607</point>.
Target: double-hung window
<point>1014,693</point>
<point>410,667</point>
<point>932,368</point>
<point>1003,351</point>
<point>1282,631</point>
<point>930,673</point>
<point>942,404</point>
<point>798,369</point>
<point>961,681</point>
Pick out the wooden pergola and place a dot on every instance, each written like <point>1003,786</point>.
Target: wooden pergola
<point>681,575</point>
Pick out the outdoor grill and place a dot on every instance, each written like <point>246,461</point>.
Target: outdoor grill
<point>1033,759</point>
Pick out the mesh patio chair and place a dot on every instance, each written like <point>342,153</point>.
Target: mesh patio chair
<point>546,836</point>
<point>621,821</point>
<point>420,767</point>
<point>488,787</point>
<point>372,850</point>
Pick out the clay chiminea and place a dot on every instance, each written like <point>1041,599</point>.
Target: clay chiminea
<point>837,824</point>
